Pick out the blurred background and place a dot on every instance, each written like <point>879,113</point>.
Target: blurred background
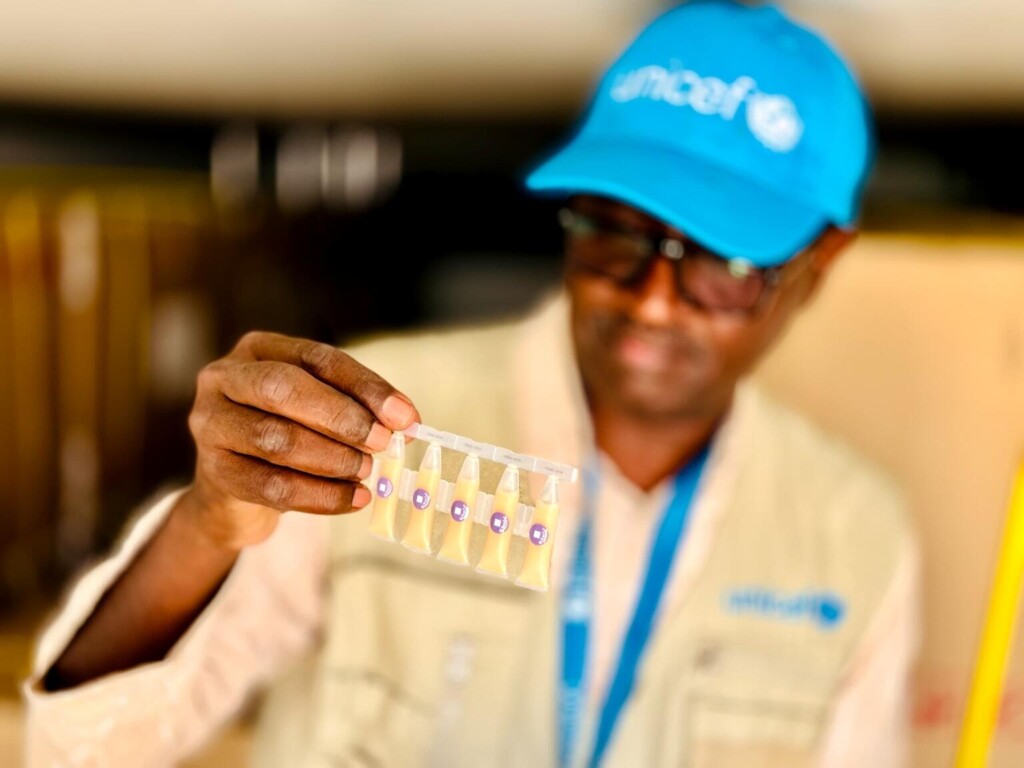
<point>174,174</point>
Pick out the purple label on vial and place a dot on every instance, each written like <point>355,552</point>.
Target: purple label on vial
<point>538,534</point>
<point>499,522</point>
<point>420,499</point>
<point>460,511</point>
<point>384,487</point>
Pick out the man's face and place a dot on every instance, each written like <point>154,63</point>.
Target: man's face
<point>646,353</point>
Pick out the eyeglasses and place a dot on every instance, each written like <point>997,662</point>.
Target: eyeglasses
<point>703,278</point>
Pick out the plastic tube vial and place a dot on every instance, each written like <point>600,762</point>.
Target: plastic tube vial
<point>385,502</point>
<point>455,548</point>
<point>494,559</point>
<point>421,516</point>
<point>536,570</point>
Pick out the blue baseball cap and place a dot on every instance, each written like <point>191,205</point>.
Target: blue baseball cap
<point>732,123</point>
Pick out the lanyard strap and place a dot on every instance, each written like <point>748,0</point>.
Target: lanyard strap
<point>577,608</point>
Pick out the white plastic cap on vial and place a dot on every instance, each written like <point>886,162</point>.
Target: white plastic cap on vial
<point>396,447</point>
<point>470,468</point>
<point>550,493</point>
<point>509,479</point>
<point>432,458</point>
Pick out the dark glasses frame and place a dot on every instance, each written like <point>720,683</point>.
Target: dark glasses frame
<point>676,250</point>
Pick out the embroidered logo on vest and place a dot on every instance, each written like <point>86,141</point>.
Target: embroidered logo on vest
<point>825,609</point>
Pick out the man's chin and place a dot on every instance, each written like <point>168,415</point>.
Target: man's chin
<point>654,398</point>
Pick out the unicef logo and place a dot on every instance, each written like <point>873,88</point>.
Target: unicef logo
<point>825,609</point>
<point>774,121</point>
<point>772,118</point>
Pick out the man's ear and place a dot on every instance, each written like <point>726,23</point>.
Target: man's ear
<point>826,249</point>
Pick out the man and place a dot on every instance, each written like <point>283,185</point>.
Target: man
<point>730,586</point>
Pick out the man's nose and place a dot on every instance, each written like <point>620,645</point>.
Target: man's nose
<point>657,293</point>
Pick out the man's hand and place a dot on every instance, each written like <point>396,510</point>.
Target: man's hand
<point>284,424</point>
<point>279,424</point>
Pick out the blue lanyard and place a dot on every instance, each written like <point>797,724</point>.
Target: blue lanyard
<point>577,607</point>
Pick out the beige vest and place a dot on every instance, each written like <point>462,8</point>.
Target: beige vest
<point>427,664</point>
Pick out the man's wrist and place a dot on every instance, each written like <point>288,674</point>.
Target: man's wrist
<point>195,517</point>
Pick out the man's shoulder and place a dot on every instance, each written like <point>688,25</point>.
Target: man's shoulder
<point>829,480</point>
<point>436,350</point>
<point>458,353</point>
<point>433,346</point>
<point>458,376</point>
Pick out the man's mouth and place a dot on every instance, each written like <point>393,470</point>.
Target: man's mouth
<point>647,349</point>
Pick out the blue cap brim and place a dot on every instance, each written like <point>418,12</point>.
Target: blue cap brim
<point>723,211</point>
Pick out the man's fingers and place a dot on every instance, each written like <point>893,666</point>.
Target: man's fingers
<point>258,482</point>
<point>247,431</point>
<point>340,370</point>
<point>283,389</point>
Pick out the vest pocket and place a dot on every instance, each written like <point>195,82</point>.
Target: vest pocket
<point>728,733</point>
<point>368,720</point>
<point>418,667</point>
<point>756,707</point>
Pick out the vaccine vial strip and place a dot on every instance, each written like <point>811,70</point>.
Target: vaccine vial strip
<point>501,514</point>
<point>463,507</point>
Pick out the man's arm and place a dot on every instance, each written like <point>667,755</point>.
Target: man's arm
<point>279,424</point>
<point>870,724</point>
<point>155,593</point>
<point>266,613</point>
<point>200,586</point>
